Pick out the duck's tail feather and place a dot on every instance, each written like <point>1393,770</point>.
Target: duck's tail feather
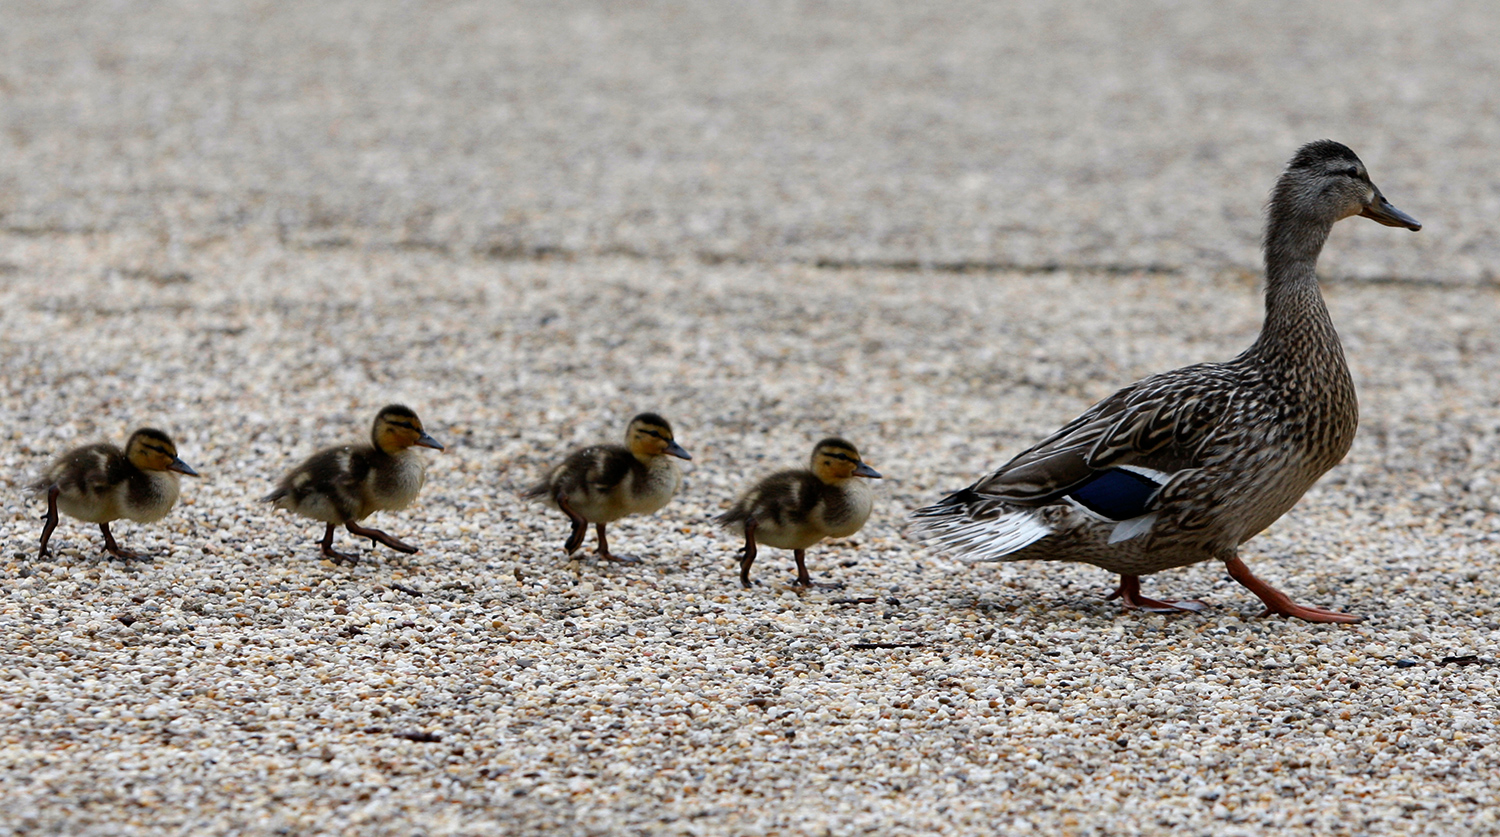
<point>976,528</point>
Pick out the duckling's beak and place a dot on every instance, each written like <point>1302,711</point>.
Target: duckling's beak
<point>674,449</point>
<point>181,467</point>
<point>427,441</point>
<point>866,471</point>
<point>1381,210</point>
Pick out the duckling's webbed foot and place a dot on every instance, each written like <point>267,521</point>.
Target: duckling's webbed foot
<point>580,526</point>
<point>380,537</point>
<point>805,580</point>
<point>747,555</point>
<point>1278,602</point>
<point>609,556</point>
<point>334,555</point>
<point>51,518</point>
<point>1129,594</point>
<point>114,549</point>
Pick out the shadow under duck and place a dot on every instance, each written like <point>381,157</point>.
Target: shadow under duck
<point>1187,465</point>
<point>343,485</point>
<point>100,483</point>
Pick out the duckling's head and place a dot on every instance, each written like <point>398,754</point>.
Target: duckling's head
<point>835,460</point>
<point>398,428</point>
<point>1325,182</point>
<point>649,435</point>
<point>152,450</point>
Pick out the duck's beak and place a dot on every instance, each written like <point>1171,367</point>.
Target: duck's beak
<point>1380,210</point>
<point>674,449</point>
<point>181,467</point>
<point>866,471</point>
<point>427,441</point>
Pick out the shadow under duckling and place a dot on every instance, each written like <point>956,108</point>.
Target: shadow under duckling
<point>343,485</point>
<point>100,483</point>
<point>796,508</point>
<point>600,484</point>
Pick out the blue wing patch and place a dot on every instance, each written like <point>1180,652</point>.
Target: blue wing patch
<point>1117,494</point>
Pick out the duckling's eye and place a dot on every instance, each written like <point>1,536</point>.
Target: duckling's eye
<point>1352,171</point>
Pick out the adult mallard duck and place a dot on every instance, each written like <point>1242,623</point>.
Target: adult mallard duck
<point>600,484</point>
<point>796,508</point>
<point>1187,465</point>
<point>100,483</point>
<point>343,485</point>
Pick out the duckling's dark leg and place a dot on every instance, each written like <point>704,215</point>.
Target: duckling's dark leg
<point>748,556</point>
<point>609,556</point>
<point>1278,602</point>
<point>805,580</point>
<point>379,537</point>
<point>1129,594</point>
<point>580,526</point>
<point>113,548</point>
<point>334,555</point>
<point>51,518</point>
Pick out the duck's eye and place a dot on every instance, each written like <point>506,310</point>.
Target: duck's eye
<point>1352,171</point>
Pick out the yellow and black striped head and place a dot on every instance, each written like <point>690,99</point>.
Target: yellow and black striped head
<point>835,460</point>
<point>152,450</point>
<point>398,428</point>
<point>649,435</point>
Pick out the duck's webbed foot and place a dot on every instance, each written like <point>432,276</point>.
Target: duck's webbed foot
<point>114,549</point>
<point>380,537</point>
<point>610,556</point>
<point>50,519</point>
<point>339,558</point>
<point>747,555</point>
<point>1129,594</point>
<point>805,580</point>
<point>580,526</point>
<point>1278,602</point>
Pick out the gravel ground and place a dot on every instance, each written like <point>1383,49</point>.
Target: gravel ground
<point>939,231</point>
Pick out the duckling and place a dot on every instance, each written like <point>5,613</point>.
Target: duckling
<point>1186,466</point>
<point>796,508</point>
<point>603,483</point>
<point>343,485</point>
<point>100,483</point>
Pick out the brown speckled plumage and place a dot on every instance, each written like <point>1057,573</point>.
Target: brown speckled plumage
<point>1189,464</point>
<point>600,484</point>
<point>796,508</point>
<point>100,483</point>
<point>343,485</point>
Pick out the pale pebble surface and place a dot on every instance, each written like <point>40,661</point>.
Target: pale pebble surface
<point>249,268</point>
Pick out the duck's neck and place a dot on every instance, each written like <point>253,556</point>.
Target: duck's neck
<point>1297,328</point>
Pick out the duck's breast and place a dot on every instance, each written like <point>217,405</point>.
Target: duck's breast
<point>395,484</point>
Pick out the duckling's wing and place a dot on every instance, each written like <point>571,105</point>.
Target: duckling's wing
<point>1160,424</point>
<point>596,469</point>
<point>785,498</point>
<point>90,470</point>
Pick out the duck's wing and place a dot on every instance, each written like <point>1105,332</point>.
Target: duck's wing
<point>1156,427</point>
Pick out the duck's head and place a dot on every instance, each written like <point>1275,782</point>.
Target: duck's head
<point>152,450</point>
<point>1326,182</point>
<point>398,428</point>
<point>835,460</point>
<point>649,435</point>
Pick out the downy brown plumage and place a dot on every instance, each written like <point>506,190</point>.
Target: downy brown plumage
<point>603,483</point>
<point>343,485</point>
<point>796,508</point>
<point>1187,465</point>
<point>100,483</point>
